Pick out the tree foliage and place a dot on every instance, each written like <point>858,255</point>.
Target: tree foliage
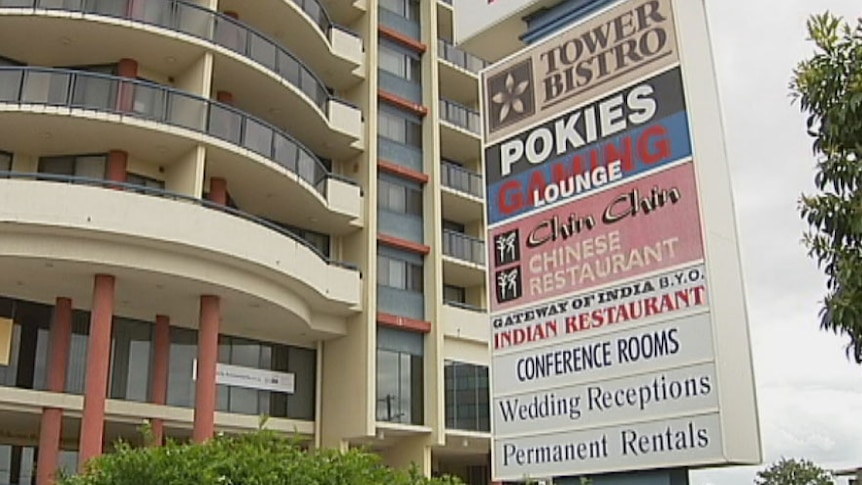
<point>262,458</point>
<point>828,87</point>
<point>793,472</point>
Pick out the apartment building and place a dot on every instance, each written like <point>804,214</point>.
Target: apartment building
<point>214,210</point>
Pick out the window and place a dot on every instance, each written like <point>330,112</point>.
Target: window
<point>454,294</point>
<point>398,127</point>
<point>131,347</point>
<point>400,63</point>
<point>5,162</point>
<point>397,196</point>
<point>144,181</point>
<point>405,8</point>
<point>400,376</point>
<point>87,166</point>
<point>399,273</point>
<point>246,353</point>
<point>467,397</point>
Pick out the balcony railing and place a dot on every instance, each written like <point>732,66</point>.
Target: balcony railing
<point>399,23</point>
<point>462,180</point>
<point>464,306</point>
<point>318,14</point>
<point>396,301</point>
<point>403,226</point>
<point>460,58</point>
<point>140,189</point>
<point>464,247</point>
<point>407,156</point>
<point>160,104</point>
<point>460,116</point>
<point>206,24</point>
<point>399,86</point>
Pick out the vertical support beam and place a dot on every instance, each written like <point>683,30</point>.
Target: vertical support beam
<point>50,430</point>
<point>205,385</point>
<point>118,161</point>
<point>98,359</point>
<point>161,358</point>
<point>126,68</point>
<point>218,190</point>
<point>225,97</point>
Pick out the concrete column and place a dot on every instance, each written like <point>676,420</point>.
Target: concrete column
<point>98,360</point>
<point>218,190</point>
<point>161,358</point>
<point>59,341</point>
<point>118,161</point>
<point>126,68</point>
<point>205,385</point>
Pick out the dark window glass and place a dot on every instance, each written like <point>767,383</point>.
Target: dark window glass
<point>5,162</point>
<point>131,351</point>
<point>398,197</point>
<point>144,181</point>
<point>400,376</point>
<point>453,226</point>
<point>400,63</point>
<point>454,294</point>
<point>405,8</point>
<point>402,129</point>
<point>467,397</point>
<point>88,166</point>
<point>400,274</point>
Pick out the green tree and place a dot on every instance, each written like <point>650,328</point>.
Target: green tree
<point>828,87</point>
<point>793,472</point>
<point>261,458</point>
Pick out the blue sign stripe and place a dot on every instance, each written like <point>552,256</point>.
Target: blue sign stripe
<point>644,149</point>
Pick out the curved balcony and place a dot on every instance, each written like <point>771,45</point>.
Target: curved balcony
<point>142,116</point>
<point>182,32</point>
<point>333,51</point>
<point>164,248</point>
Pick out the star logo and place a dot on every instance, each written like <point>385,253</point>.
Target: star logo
<point>510,96</point>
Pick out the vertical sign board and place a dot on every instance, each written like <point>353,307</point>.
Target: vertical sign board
<point>620,335</point>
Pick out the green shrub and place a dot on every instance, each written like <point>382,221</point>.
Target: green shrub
<point>261,458</point>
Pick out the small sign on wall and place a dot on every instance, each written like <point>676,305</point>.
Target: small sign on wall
<point>251,378</point>
<point>6,325</point>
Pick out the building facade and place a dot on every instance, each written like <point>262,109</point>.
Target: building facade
<point>213,210</point>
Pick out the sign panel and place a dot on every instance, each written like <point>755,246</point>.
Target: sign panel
<point>598,56</point>
<point>252,378</point>
<point>620,336</point>
<point>644,226</point>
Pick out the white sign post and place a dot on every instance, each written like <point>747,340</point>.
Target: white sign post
<point>620,334</point>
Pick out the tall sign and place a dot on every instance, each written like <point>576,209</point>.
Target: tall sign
<point>620,334</point>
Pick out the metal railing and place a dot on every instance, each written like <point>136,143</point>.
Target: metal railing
<point>161,193</point>
<point>202,23</point>
<point>318,14</point>
<point>463,247</point>
<point>152,102</point>
<point>464,306</point>
<point>399,86</point>
<point>461,179</point>
<point>460,116</point>
<point>408,156</point>
<point>458,57</point>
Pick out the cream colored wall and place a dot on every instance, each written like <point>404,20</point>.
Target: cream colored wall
<point>186,174</point>
<point>434,376</point>
<point>409,451</point>
<point>348,387</point>
<point>25,163</point>
<point>198,77</point>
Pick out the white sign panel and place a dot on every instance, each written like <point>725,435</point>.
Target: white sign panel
<point>645,445</point>
<point>251,378</point>
<point>620,334</point>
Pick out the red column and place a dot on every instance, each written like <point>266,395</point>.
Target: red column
<point>225,97</point>
<point>218,190</point>
<point>162,346</point>
<point>59,340</point>
<point>232,14</point>
<point>127,68</point>
<point>205,386</point>
<point>98,359</point>
<point>118,161</point>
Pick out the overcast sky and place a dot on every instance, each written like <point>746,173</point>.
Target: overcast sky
<point>809,394</point>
